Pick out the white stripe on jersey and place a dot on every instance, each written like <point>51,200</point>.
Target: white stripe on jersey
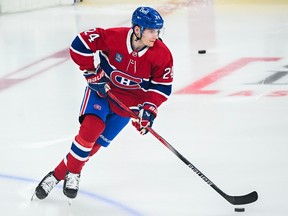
<point>81,53</point>
<point>87,47</point>
<point>161,83</point>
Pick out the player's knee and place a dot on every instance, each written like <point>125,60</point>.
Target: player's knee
<point>90,129</point>
<point>95,149</point>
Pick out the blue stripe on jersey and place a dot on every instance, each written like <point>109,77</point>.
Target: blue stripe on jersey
<point>79,46</point>
<point>79,152</point>
<point>161,89</point>
<point>105,64</point>
<point>164,89</point>
<point>145,84</point>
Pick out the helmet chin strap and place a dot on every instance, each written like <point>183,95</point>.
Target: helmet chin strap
<point>137,38</point>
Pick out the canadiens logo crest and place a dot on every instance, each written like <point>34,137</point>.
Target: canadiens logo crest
<point>118,57</point>
<point>125,81</point>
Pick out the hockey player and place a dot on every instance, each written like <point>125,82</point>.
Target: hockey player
<point>136,66</point>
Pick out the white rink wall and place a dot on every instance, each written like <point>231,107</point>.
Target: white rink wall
<point>12,6</point>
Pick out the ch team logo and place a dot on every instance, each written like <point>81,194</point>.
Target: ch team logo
<point>124,81</point>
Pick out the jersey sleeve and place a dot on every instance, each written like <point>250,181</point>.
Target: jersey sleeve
<point>161,79</point>
<point>85,45</point>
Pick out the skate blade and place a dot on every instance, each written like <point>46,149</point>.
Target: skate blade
<point>69,201</point>
<point>33,196</point>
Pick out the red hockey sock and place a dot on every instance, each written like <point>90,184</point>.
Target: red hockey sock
<point>61,169</point>
<point>95,149</point>
<point>90,130</point>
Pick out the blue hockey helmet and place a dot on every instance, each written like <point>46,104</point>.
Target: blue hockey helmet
<point>147,17</point>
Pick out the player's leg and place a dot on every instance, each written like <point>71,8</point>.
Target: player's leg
<point>114,124</point>
<point>72,164</point>
<point>61,169</point>
<point>93,113</point>
<point>90,129</point>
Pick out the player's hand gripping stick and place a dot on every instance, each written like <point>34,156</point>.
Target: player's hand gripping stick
<point>146,116</point>
<point>97,82</point>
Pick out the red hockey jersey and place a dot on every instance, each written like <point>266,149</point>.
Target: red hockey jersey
<point>135,77</point>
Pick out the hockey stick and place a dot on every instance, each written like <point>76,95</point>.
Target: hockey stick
<point>234,200</point>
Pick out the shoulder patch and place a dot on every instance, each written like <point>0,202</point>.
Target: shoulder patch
<point>118,57</point>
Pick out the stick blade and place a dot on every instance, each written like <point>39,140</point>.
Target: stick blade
<point>242,200</point>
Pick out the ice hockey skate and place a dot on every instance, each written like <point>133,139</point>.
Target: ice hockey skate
<point>71,185</point>
<point>45,186</point>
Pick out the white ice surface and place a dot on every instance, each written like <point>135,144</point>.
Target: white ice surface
<point>239,142</point>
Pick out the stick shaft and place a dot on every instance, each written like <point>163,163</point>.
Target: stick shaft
<point>235,200</point>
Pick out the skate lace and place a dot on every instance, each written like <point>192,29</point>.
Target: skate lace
<point>49,183</point>
<point>72,181</point>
